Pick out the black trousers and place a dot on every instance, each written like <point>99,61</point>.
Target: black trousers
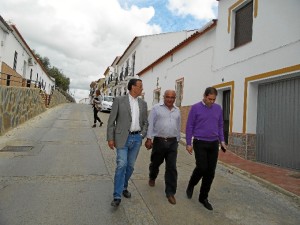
<point>96,117</point>
<point>206,155</point>
<point>165,150</point>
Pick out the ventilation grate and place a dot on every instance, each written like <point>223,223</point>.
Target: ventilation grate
<point>16,148</point>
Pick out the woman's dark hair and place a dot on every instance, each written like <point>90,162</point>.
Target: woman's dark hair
<point>210,91</point>
<point>132,82</point>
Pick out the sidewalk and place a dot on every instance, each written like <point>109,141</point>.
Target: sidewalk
<point>283,180</point>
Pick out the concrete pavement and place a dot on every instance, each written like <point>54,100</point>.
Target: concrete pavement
<point>67,178</point>
<point>190,211</point>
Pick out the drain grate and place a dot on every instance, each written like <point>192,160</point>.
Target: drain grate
<point>16,148</point>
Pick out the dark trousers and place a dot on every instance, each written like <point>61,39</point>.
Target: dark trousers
<point>165,150</point>
<point>96,117</point>
<point>206,155</point>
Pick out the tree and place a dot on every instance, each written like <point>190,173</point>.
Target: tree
<point>61,80</point>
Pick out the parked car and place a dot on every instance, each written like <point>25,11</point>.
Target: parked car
<point>106,103</point>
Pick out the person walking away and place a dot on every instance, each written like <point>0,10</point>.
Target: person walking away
<point>96,108</point>
<point>163,136</point>
<point>205,126</point>
<point>127,126</point>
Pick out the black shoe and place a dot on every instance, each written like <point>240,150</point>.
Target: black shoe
<point>189,191</point>
<point>126,194</point>
<point>94,125</point>
<point>116,202</point>
<point>151,183</point>
<point>101,123</point>
<point>206,204</point>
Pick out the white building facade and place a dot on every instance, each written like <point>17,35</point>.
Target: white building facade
<point>251,55</point>
<point>141,52</point>
<point>19,66</point>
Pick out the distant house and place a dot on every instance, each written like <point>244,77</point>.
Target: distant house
<point>251,55</point>
<point>141,52</point>
<point>19,66</point>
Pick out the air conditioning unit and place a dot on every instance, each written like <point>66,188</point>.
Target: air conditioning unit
<point>30,61</point>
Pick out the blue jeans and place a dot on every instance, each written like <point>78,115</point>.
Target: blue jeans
<point>126,158</point>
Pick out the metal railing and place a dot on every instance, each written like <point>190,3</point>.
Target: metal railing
<point>11,80</point>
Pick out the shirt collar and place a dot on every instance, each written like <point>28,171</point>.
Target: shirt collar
<point>132,98</point>
<point>163,104</point>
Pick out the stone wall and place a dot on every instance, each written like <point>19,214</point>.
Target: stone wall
<point>184,110</point>
<point>57,98</point>
<point>19,104</point>
<point>244,145</point>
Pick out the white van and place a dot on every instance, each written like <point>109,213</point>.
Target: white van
<point>106,103</point>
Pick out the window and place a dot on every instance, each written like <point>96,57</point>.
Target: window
<point>156,96</point>
<point>24,68</point>
<point>8,77</point>
<point>179,92</point>
<point>133,63</point>
<point>127,68</point>
<point>243,25</point>
<point>15,60</point>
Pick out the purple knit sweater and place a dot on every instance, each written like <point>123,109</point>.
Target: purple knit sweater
<point>205,123</point>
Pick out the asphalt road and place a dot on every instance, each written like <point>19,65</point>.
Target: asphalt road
<point>56,169</point>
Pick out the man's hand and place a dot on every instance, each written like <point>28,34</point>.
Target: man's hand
<point>148,144</point>
<point>189,149</point>
<point>223,146</point>
<point>111,145</point>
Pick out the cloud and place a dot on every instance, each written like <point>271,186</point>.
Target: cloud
<point>82,38</point>
<point>200,9</point>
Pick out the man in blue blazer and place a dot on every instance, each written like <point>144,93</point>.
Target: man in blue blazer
<point>127,126</point>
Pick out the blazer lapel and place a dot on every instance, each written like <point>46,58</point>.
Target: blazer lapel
<point>127,103</point>
<point>140,109</point>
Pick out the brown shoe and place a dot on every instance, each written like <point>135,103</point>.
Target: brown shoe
<point>172,199</point>
<point>151,183</point>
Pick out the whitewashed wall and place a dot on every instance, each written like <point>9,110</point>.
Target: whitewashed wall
<point>4,32</point>
<point>193,63</point>
<point>275,45</point>
<point>211,60</point>
<point>154,46</point>
<point>148,48</point>
<point>11,43</point>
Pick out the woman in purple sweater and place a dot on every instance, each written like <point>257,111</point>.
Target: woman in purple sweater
<point>205,126</point>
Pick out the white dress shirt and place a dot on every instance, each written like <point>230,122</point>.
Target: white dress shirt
<point>135,114</point>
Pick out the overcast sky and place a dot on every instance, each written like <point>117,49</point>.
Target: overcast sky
<point>83,37</point>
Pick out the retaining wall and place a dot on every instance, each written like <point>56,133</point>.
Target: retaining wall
<point>19,104</point>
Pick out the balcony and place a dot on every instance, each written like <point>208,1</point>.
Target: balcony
<point>112,83</point>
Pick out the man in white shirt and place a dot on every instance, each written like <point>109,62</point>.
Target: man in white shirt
<point>127,126</point>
